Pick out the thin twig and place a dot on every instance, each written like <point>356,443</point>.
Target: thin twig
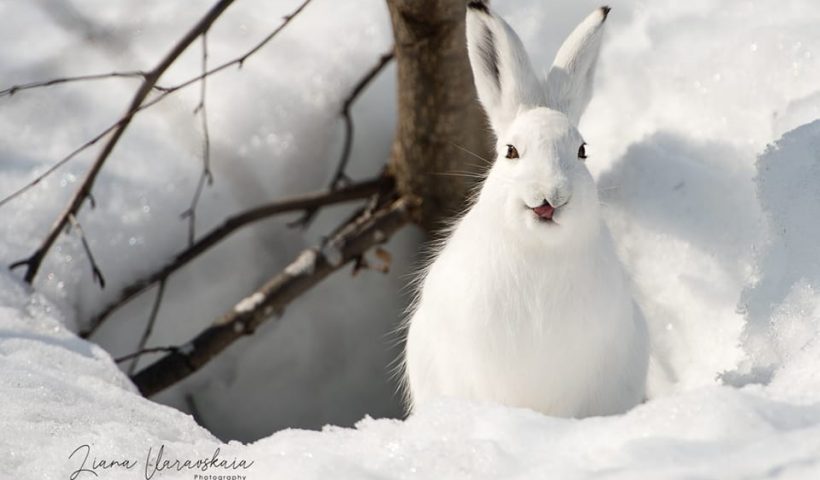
<point>59,164</point>
<point>230,225</point>
<point>77,151</point>
<point>190,213</point>
<point>79,78</point>
<point>307,270</point>
<point>146,351</point>
<point>96,273</point>
<point>340,177</point>
<point>206,177</point>
<point>149,327</point>
<point>240,60</point>
<point>166,91</point>
<point>33,263</point>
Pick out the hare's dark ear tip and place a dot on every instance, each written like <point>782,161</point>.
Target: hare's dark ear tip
<point>479,5</point>
<point>605,11</point>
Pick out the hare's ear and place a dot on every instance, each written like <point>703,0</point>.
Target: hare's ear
<point>503,75</point>
<point>569,83</point>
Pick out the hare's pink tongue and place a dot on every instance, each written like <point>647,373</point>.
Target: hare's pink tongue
<point>545,211</point>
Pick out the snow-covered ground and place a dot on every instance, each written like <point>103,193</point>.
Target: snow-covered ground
<point>702,135</point>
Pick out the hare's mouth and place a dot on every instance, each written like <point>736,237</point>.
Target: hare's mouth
<point>544,212</point>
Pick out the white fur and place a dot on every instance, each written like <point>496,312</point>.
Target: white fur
<point>513,309</point>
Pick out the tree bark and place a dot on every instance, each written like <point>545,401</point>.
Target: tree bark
<point>439,118</point>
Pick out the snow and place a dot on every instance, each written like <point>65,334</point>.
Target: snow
<point>66,393</point>
<point>249,303</point>
<point>782,305</point>
<point>60,392</point>
<point>304,264</point>
<point>702,135</point>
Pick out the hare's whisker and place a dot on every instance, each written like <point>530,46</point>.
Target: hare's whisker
<point>468,151</point>
<point>460,174</point>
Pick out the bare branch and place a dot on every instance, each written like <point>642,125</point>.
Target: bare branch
<point>7,92</point>
<point>206,177</point>
<point>240,60</point>
<point>353,192</point>
<point>95,269</point>
<point>59,164</point>
<point>145,351</point>
<point>33,263</point>
<point>340,177</point>
<point>166,91</point>
<point>307,270</point>
<point>149,327</point>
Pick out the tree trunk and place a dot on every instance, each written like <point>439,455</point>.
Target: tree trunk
<point>439,118</point>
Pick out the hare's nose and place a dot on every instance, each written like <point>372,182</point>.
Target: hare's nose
<point>545,210</point>
<point>559,198</point>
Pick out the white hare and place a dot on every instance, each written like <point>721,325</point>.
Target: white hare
<point>526,303</point>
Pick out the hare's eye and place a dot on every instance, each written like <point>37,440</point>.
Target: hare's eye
<point>511,152</point>
<point>582,151</point>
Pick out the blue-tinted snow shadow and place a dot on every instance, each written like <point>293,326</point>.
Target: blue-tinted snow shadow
<point>72,344</point>
<point>692,190</point>
<point>765,217</point>
<point>668,187</point>
<point>788,186</point>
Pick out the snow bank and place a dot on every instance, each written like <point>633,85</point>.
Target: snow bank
<point>64,398</point>
<point>60,392</point>
<point>782,304</point>
<point>713,432</point>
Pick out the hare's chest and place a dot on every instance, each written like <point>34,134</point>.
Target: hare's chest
<point>527,295</point>
<point>538,333</point>
<point>513,314</point>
